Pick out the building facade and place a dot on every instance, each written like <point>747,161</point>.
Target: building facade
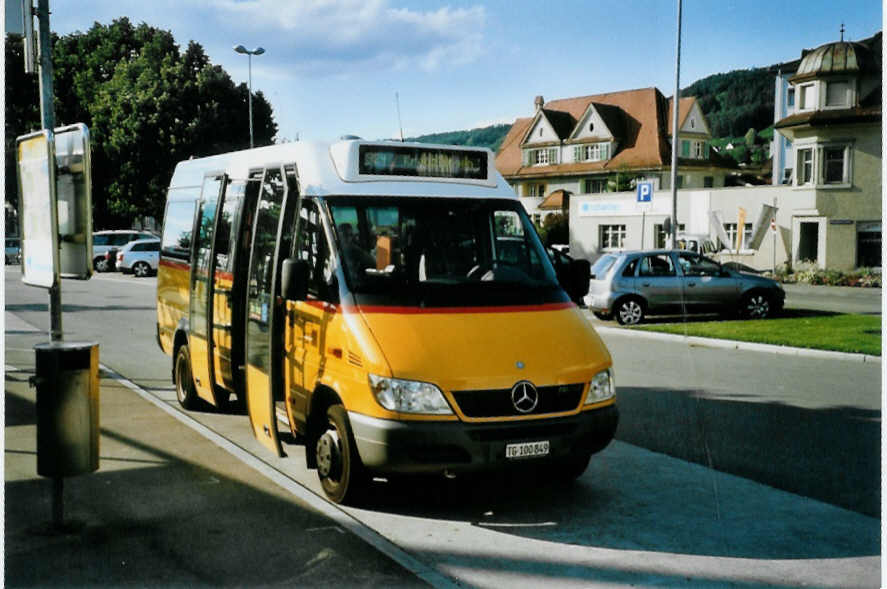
<point>834,133</point>
<point>824,207</point>
<point>606,143</point>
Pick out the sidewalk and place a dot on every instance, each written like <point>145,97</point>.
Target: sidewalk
<point>167,507</point>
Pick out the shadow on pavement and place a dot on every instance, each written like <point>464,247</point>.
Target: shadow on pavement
<point>830,454</point>
<point>153,516</point>
<point>633,499</point>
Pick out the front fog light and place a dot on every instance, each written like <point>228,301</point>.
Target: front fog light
<point>603,387</point>
<point>409,396</point>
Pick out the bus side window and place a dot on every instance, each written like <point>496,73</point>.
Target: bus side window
<point>225,234</point>
<point>177,230</point>
<point>312,248</point>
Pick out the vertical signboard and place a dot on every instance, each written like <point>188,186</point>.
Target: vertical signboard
<point>73,194</point>
<point>39,221</point>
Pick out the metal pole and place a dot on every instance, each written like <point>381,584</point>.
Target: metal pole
<point>250,67</point>
<point>674,135</point>
<point>47,113</point>
<point>643,222</point>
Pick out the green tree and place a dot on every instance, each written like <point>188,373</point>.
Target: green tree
<point>147,104</point>
<point>620,181</point>
<point>555,229</point>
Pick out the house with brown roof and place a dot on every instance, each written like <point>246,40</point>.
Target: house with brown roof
<point>824,207</point>
<point>606,143</point>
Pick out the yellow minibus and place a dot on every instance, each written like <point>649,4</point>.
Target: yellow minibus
<point>392,299</point>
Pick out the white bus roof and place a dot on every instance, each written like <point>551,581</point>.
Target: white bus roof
<point>339,169</point>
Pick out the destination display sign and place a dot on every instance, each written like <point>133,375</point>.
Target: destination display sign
<point>431,162</point>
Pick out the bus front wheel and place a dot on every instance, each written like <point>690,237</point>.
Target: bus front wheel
<point>185,391</point>
<point>338,464</point>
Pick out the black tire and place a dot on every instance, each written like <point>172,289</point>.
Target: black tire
<point>755,305</point>
<point>141,269</point>
<point>338,464</point>
<point>100,264</point>
<point>185,391</point>
<point>629,311</point>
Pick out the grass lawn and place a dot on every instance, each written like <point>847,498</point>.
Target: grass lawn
<point>859,334</point>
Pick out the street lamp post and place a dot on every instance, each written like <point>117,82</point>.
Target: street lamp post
<point>249,55</point>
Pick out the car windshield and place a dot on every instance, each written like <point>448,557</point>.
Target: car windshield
<point>441,252</point>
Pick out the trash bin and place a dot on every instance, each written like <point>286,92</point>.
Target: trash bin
<point>67,379</point>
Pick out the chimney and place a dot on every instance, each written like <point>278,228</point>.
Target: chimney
<point>539,102</point>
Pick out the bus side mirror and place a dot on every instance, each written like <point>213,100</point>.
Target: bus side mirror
<point>580,275</point>
<point>294,279</point>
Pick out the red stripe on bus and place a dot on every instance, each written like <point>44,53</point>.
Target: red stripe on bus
<point>458,310</point>
<point>174,264</point>
<point>395,310</point>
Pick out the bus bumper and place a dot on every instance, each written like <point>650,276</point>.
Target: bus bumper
<point>387,446</point>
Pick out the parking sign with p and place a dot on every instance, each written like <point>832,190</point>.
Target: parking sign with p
<point>645,191</point>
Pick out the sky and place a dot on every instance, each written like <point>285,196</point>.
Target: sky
<point>340,67</point>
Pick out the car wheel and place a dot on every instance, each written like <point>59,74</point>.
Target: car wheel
<point>141,269</point>
<point>755,305</point>
<point>100,265</point>
<point>629,311</point>
<point>185,391</point>
<point>338,464</point>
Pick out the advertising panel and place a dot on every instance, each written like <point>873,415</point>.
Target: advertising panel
<point>39,221</point>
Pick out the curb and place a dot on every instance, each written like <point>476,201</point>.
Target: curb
<point>706,342</point>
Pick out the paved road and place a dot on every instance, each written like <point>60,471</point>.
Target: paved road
<point>635,517</point>
<point>836,299</point>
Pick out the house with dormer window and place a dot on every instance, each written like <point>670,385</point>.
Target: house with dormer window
<point>606,143</point>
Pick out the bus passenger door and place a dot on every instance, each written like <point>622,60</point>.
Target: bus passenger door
<point>201,289</point>
<point>224,328</point>
<point>272,236</point>
<point>307,321</point>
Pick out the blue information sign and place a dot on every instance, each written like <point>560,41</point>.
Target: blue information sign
<point>645,191</point>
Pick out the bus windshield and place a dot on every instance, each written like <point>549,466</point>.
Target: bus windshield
<point>441,252</point>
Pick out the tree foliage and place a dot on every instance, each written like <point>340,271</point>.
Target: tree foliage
<point>490,137</point>
<point>555,229</point>
<point>147,104</point>
<point>736,101</point>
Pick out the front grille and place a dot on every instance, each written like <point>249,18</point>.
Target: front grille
<point>497,402</point>
<point>523,430</point>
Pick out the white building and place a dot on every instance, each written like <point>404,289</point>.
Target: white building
<point>827,204</point>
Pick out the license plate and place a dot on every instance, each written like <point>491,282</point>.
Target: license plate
<point>527,449</point>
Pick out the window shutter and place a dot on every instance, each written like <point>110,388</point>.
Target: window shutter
<point>707,150</point>
<point>605,151</point>
<point>552,155</point>
<point>577,153</point>
<point>526,158</point>
<point>685,148</point>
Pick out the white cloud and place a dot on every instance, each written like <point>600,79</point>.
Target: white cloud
<point>327,36</point>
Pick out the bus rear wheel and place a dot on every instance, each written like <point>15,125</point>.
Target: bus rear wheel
<point>338,464</point>
<point>185,391</point>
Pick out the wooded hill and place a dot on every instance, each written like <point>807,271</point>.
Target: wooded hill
<point>733,103</point>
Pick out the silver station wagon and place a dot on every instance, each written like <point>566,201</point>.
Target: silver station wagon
<point>632,285</point>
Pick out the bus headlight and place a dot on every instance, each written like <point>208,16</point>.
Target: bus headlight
<point>603,387</point>
<point>409,396</point>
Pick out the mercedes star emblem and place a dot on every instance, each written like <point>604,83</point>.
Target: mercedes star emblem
<point>524,396</point>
